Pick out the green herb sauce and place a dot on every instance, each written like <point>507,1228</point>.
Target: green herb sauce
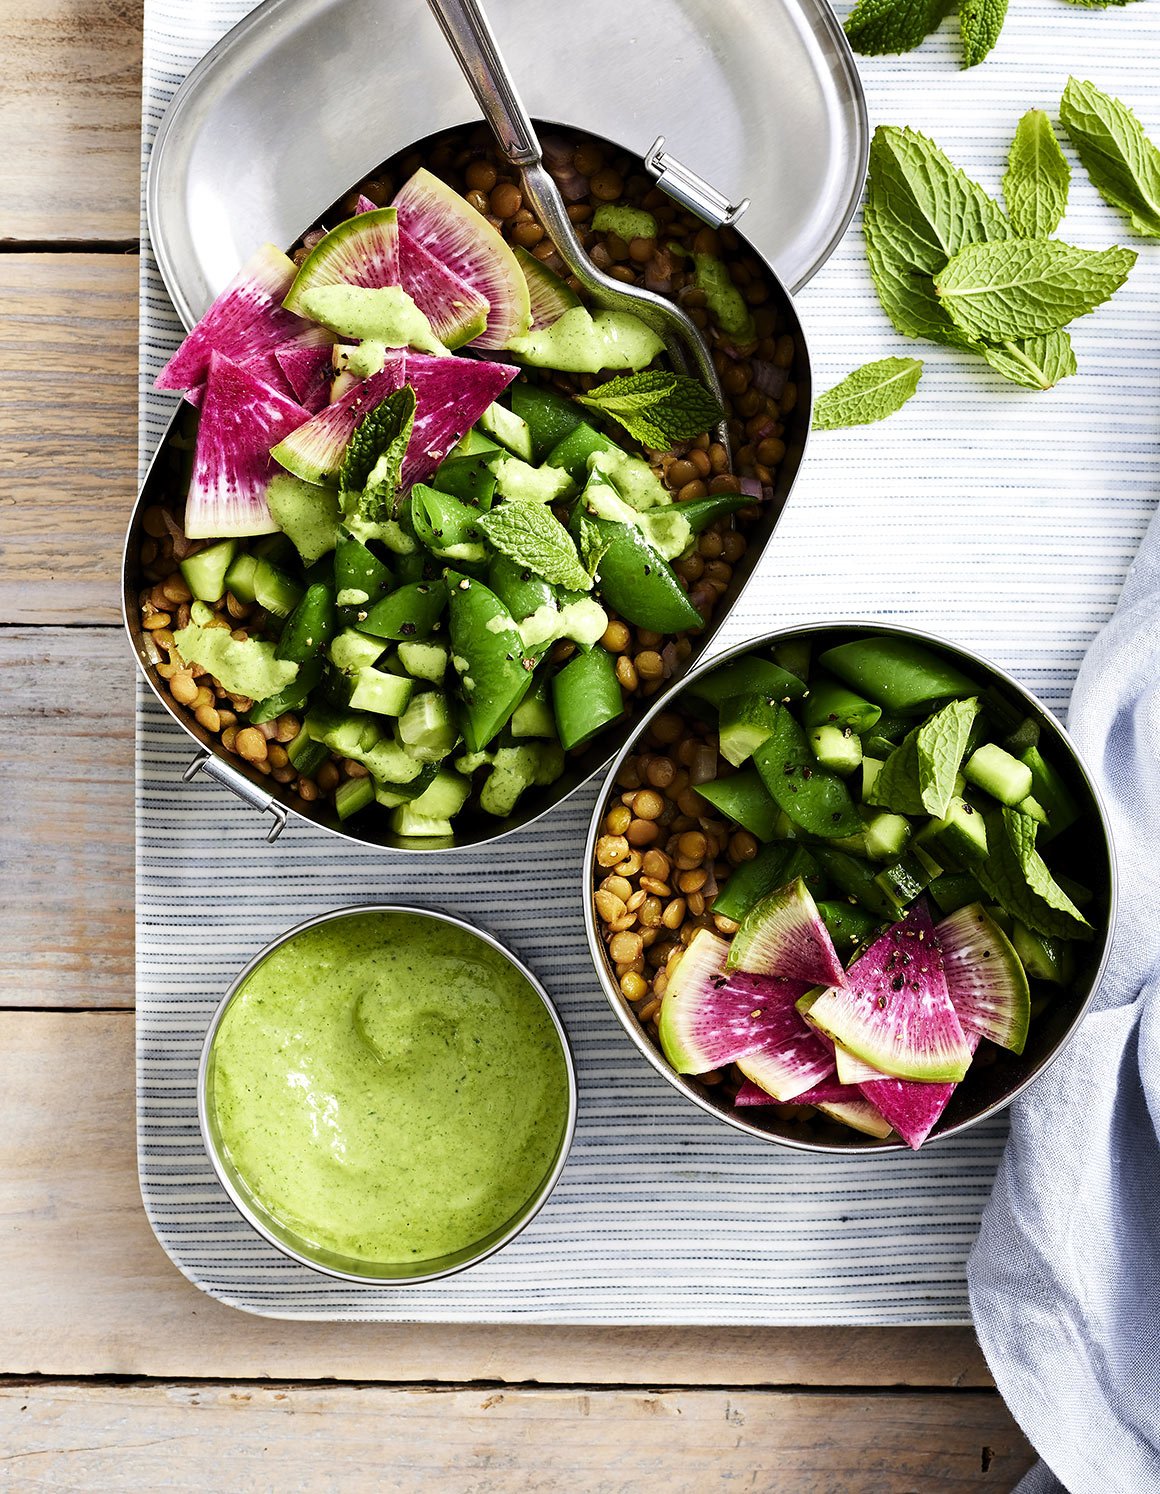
<point>389,1087</point>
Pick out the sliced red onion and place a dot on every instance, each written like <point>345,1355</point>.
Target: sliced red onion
<point>752,488</point>
<point>766,428</point>
<point>704,766</point>
<point>183,548</point>
<point>768,377</point>
<point>710,889</point>
<point>312,239</point>
<point>670,659</point>
<point>557,152</point>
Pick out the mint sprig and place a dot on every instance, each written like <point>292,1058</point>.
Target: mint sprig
<point>373,461</point>
<point>868,394</point>
<point>1117,154</point>
<point>535,539</point>
<point>877,26</point>
<point>656,408</point>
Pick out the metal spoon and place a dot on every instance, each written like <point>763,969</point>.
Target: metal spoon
<point>467,30</point>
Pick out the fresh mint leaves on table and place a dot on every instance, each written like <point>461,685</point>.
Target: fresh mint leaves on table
<point>870,393</point>
<point>534,538</point>
<point>1122,162</point>
<point>374,456</point>
<point>875,27</point>
<point>950,266</point>
<point>656,408</point>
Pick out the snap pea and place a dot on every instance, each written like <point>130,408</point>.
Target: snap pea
<point>896,672</point>
<point>549,416</point>
<point>468,478</point>
<point>520,590</point>
<point>749,882</point>
<point>701,512</point>
<point>360,578</point>
<point>751,675</point>
<point>410,612</point>
<point>743,797</point>
<point>445,526</point>
<point>585,697</point>
<point>856,879</point>
<point>310,627</point>
<point>573,451</point>
<point>639,584</point>
<point>847,925</point>
<point>292,698</point>
<point>495,673</point>
<point>831,704</point>
<point>812,796</point>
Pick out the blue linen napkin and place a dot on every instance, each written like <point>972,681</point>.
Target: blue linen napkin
<point>1065,1275</point>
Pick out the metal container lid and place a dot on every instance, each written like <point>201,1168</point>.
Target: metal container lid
<point>305,97</point>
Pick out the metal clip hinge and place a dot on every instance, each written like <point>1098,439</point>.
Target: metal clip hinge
<point>230,778</point>
<point>690,189</point>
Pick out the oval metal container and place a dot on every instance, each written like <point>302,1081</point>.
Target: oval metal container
<point>328,1262</point>
<point>286,112</point>
<point>985,1090</point>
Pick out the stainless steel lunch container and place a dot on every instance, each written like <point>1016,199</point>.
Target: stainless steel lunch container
<point>985,1090</point>
<point>329,1263</point>
<point>802,163</point>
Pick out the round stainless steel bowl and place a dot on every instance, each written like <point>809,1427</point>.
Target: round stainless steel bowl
<point>326,1261</point>
<point>985,1090</point>
<point>163,482</point>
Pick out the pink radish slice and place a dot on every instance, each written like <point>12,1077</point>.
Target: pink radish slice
<point>314,451</point>
<point>840,1101</point>
<point>246,319</point>
<point>783,935</point>
<point>307,369</point>
<point>911,1107</point>
<point>241,418</point>
<point>457,312</point>
<point>450,394</point>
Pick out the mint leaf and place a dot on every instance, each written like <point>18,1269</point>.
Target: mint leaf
<point>1122,162</point>
<point>870,393</point>
<point>897,786</point>
<point>1034,362</point>
<point>535,539</point>
<point>1036,183</point>
<point>374,456</point>
<point>920,211</point>
<point>877,26</point>
<point>1026,287</point>
<point>980,22</point>
<point>1016,876</point>
<point>941,742</point>
<point>595,542</point>
<point>656,408</point>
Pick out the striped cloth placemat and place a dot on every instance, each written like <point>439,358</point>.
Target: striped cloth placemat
<point>1001,519</point>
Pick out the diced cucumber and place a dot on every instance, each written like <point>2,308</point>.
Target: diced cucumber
<point>871,767</point>
<point>1032,808</point>
<point>831,704</point>
<point>959,839</point>
<point>427,727</point>
<point>533,716</point>
<point>351,650</point>
<point>1050,790</point>
<point>506,427</point>
<point>343,732</point>
<point>886,836</point>
<point>955,891</point>
<point>443,797</point>
<point>391,763</point>
<point>306,754</point>
<point>404,821</point>
<point>390,795</point>
<point>205,572</point>
<point>384,694</point>
<point>425,661</point>
<point>999,774</point>
<point>838,748</point>
<point>274,590</point>
<point>933,868</point>
<point>746,721</point>
<point>1043,957</point>
<point>240,577</point>
<point>905,880</point>
<point>352,795</point>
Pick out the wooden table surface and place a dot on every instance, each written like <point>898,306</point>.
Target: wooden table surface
<point>114,1371</point>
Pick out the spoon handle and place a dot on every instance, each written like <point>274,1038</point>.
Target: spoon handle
<point>470,36</point>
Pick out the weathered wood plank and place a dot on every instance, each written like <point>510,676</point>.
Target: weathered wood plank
<point>70,114</point>
<point>368,1437</point>
<point>68,416</point>
<point>97,1295</point>
<point>66,818</point>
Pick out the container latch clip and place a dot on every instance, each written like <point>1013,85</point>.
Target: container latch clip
<point>213,767</point>
<point>691,190</point>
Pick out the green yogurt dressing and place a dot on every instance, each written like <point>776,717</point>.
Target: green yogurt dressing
<point>389,1087</point>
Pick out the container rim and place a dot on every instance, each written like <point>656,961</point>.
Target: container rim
<point>532,1206</point>
<point>627,1017</point>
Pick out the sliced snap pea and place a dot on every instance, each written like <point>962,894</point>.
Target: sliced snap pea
<point>749,882</point>
<point>468,478</point>
<point>410,612</point>
<point>573,451</point>
<point>639,585</point>
<point>751,675</point>
<point>586,697</point>
<point>896,672</point>
<point>445,526</point>
<point>701,512</point>
<point>495,671</point>
<point>292,698</point>
<point>743,797</point>
<point>810,794</point>
<point>521,591</point>
<point>310,627</point>
<point>358,574</point>
<point>831,704</point>
<point>549,415</point>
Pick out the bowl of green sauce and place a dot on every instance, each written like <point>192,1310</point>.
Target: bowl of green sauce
<point>387,1094</point>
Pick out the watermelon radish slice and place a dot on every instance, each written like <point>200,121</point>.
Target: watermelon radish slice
<point>894,1011</point>
<point>842,1102</point>
<point>245,320</point>
<point>364,250</point>
<point>241,418</point>
<point>854,1070</point>
<point>450,396</point>
<point>457,311</point>
<point>910,1107</point>
<point>783,935</point>
<point>442,222</point>
<point>314,451</point>
<point>306,367</point>
<point>550,296</point>
<point>985,977</point>
<point>364,204</point>
<point>792,1057</point>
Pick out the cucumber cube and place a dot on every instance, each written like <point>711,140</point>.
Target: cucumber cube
<point>886,836</point>
<point>384,694</point>
<point>959,839</point>
<point>404,821</point>
<point>746,722</point>
<point>205,572</point>
<point>351,650</point>
<point>427,728</point>
<point>352,795</point>
<point>838,748</point>
<point>443,797</point>
<point>999,774</point>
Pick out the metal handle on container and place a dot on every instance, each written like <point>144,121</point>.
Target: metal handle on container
<point>690,190</point>
<point>213,767</point>
<point>466,28</point>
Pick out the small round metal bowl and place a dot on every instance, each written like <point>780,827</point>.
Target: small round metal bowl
<point>988,1088</point>
<point>328,1262</point>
